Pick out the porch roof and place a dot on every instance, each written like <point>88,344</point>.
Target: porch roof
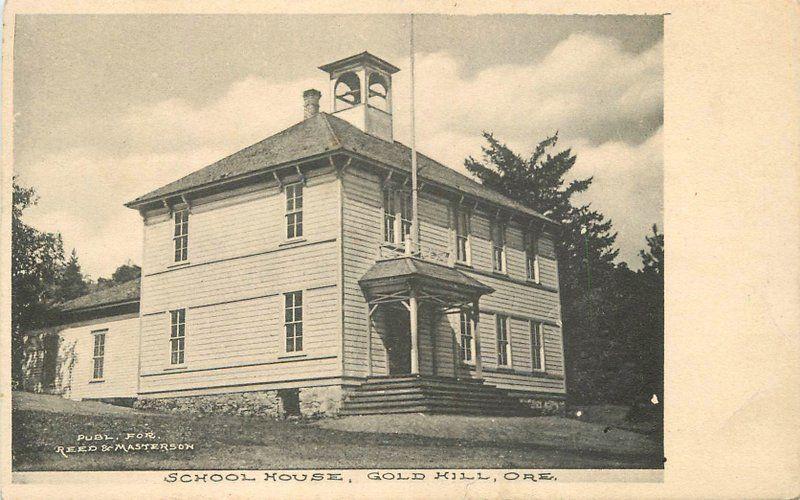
<point>402,271</point>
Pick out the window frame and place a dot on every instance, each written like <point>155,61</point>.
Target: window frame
<point>499,264</point>
<point>180,235</point>
<point>462,221</point>
<point>396,206</point>
<point>177,337</point>
<point>537,340</point>
<point>532,263</point>
<point>296,211</point>
<point>294,323</point>
<point>503,342</point>
<point>465,320</point>
<point>98,334</point>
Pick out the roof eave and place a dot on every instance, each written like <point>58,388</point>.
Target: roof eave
<point>139,202</point>
<point>446,187</point>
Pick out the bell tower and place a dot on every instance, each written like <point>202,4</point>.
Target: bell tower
<point>361,92</point>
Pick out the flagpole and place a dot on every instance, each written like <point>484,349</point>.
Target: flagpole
<point>415,232</point>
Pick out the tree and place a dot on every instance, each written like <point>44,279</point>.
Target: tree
<point>653,258</point>
<point>585,251</point>
<point>37,259</point>
<point>72,283</point>
<point>586,245</point>
<point>126,272</point>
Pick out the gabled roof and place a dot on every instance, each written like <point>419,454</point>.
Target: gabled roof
<point>410,267</point>
<point>127,292</point>
<point>324,134</point>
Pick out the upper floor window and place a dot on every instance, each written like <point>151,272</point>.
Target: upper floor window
<point>177,337</point>
<point>294,211</point>
<point>181,235</point>
<point>467,338</point>
<point>293,321</point>
<point>99,353</point>
<point>532,256</point>
<point>396,215</point>
<point>461,216</point>
<point>503,344</point>
<point>499,247</point>
<point>537,346</point>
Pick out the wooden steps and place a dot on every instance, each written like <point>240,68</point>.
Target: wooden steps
<point>421,394</point>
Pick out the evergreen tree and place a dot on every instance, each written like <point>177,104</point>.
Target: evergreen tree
<point>653,258</point>
<point>585,251</point>
<point>72,283</point>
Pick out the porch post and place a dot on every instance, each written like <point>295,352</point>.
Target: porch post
<point>434,324</point>
<point>413,314</point>
<point>369,340</point>
<point>477,336</point>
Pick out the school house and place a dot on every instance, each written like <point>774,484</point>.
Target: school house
<point>289,278</point>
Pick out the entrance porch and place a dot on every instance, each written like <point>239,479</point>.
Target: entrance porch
<point>407,298</point>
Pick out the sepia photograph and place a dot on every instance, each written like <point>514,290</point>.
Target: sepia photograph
<point>326,242</point>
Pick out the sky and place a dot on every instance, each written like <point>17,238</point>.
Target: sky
<point>107,108</point>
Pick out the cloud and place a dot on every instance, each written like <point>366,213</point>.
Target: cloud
<point>606,103</point>
<point>82,193</point>
<point>627,188</point>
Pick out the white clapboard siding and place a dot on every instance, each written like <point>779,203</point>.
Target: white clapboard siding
<point>75,368</point>
<point>240,265</point>
<point>362,219</point>
<point>362,235</point>
<point>306,265</point>
<point>519,376</point>
<point>242,224</point>
<point>434,233</point>
<point>223,341</point>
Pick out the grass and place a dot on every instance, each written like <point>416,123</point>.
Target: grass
<point>41,423</point>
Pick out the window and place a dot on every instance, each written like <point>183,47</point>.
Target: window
<point>294,211</point>
<point>293,321</point>
<point>98,354</point>
<point>177,337</point>
<point>181,237</point>
<point>537,346</point>
<point>499,247</point>
<point>532,256</point>
<point>462,234</point>
<point>396,215</point>
<point>503,345</point>
<point>467,339</point>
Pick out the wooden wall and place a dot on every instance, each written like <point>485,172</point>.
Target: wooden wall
<point>75,361</point>
<point>240,265</point>
<point>514,296</point>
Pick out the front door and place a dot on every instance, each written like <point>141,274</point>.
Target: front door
<point>398,342</point>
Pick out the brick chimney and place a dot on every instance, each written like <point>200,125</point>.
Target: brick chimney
<point>311,103</point>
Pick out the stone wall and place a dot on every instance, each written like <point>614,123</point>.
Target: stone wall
<point>321,401</point>
<point>307,402</point>
<point>260,404</point>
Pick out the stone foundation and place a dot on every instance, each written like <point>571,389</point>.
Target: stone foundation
<point>309,402</point>
<point>258,404</point>
<point>321,401</point>
<point>545,405</point>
